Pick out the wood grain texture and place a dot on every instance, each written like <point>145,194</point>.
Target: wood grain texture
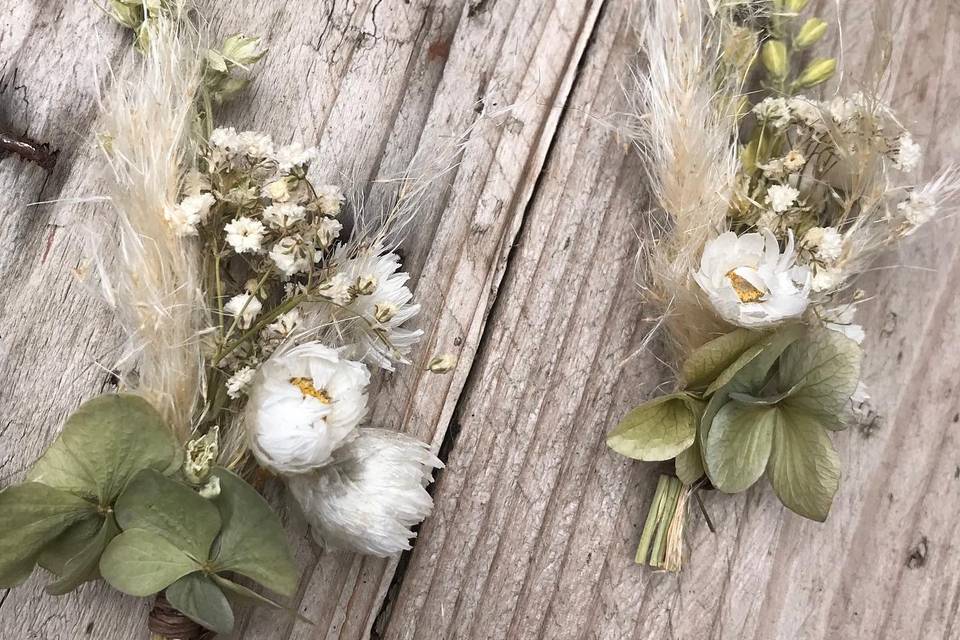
<point>525,267</point>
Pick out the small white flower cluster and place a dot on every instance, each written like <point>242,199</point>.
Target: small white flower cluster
<point>303,314</point>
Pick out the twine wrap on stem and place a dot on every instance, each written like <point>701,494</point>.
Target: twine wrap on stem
<point>166,623</point>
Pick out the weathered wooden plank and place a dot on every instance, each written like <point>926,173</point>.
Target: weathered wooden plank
<point>537,522</point>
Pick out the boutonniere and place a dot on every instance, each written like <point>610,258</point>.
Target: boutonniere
<point>259,305</point>
<point>775,193</point>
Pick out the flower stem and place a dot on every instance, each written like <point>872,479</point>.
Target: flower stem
<point>661,542</point>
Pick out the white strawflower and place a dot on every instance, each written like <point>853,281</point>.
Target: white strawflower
<point>328,230</point>
<point>825,242</point>
<point>192,211</point>
<point>781,197</point>
<point>244,306</point>
<point>284,215</point>
<point>290,255</point>
<point>750,282</point>
<point>773,111</point>
<point>908,155</point>
<point>371,495</point>
<point>918,208</point>
<point>774,170</point>
<point>304,403</point>
<point>330,199</point>
<point>245,235</point>
<point>237,383</point>
<point>294,155</point>
<point>377,281</point>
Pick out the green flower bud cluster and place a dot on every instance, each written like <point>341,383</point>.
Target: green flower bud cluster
<point>789,36</point>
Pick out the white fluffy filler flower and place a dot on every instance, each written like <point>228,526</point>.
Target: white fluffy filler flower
<point>245,235</point>
<point>294,155</point>
<point>244,306</point>
<point>239,382</point>
<point>774,111</point>
<point>303,404</point>
<point>908,155</point>
<point>370,496</point>
<point>825,242</point>
<point>290,255</point>
<point>749,282</point>
<point>193,210</point>
<point>781,197</point>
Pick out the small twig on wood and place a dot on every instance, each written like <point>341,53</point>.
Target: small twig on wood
<point>39,153</point>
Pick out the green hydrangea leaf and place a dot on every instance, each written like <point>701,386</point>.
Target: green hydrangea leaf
<point>140,563</point>
<point>822,370</point>
<point>104,444</point>
<point>706,363</point>
<point>738,445</point>
<point>171,509</point>
<point>33,516</point>
<point>750,369</point>
<point>658,429</point>
<point>68,544</point>
<point>252,542</point>
<point>85,565</point>
<point>689,464</point>
<point>197,597</point>
<point>804,468</point>
<point>747,375</point>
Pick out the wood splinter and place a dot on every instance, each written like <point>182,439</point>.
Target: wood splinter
<point>30,150</point>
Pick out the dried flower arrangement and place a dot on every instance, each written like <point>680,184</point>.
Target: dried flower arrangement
<point>773,199</point>
<point>255,323</point>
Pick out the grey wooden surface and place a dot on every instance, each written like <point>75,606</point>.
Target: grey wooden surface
<point>525,267</point>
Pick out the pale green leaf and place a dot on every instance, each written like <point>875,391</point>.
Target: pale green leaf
<point>103,444</point>
<point>197,597</point>
<point>804,468</point>
<point>85,565</point>
<point>738,445</point>
<point>171,509</point>
<point>689,464</point>
<point>706,363</point>
<point>750,370</point>
<point>252,541</point>
<point>747,375</point>
<point>141,563</point>
<point>658,429</point>
<point>33,515</point>
<point>823,370</point>
<point>68,544</point>
<point>244,594</point>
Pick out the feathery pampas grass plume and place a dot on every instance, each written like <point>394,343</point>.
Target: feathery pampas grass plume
<point>372,493</point>
<point>686,135</point>
<point>155,285</point>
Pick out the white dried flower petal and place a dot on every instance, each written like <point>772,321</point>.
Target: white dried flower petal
<point>328,230</point>
<point>192,211</point>
<point>825,242</point>
<point>294,155</point>
<point>290,255</point>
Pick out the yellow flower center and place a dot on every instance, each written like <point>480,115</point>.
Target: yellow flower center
<point>745,291</point>
<point>307,389</point>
